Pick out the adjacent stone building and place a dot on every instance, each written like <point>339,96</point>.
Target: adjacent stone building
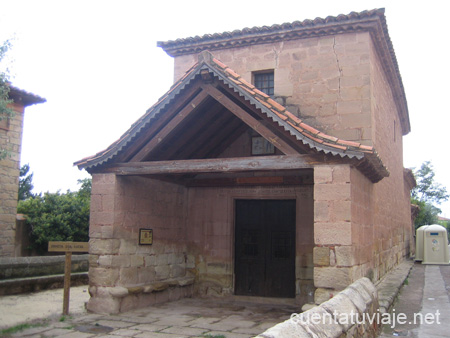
<point>11,140</point>
<point>272,167</point>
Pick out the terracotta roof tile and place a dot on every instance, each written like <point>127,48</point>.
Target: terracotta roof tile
<point>275,104</point>
<point>296,127</point>
<point>232,73</point>
<point>349,143</point>
<point>248,89</point>
<point>293,117</point>
<point>263,102</point>
<point>307,127</point>
<point>328,137</point>
<point>249,85</point>
<point>281,116</point>
<point>257,91</point>
<point>219,63</point>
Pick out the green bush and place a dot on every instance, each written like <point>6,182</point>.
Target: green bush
<point>57,216</point>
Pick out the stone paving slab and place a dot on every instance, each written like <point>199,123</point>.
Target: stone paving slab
<point>186,318</point>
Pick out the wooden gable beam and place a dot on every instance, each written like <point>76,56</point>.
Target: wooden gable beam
<point>250,121</point>
<point>181,100</point>
<point>169,127</point>
<point>221,165</point>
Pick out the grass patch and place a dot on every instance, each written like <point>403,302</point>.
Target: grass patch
<point>20,327</point>
<point>214,336</point>
<point>406,282</point>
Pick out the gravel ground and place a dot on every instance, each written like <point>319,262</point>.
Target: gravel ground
<point>35,306</point>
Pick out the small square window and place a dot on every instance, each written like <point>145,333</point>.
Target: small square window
<point>264,82</point>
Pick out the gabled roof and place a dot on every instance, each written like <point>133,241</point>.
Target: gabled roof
<point>367,160</point>
<point>373,21</point>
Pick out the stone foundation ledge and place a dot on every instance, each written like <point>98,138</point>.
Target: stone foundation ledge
<point>389,287</point>
<point>341,316</point>
<point>117,299</point>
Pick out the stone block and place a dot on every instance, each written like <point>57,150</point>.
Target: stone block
<point>146,275</point>
<point>121,261</point>
<point>341,306</point>
<point>128,276</point>
<point>332,277</point>
<point>127,246</point>
<point>345,255</point>
<point>103,276</point>
<point>338,233</point>
<point>321,324</point>
<point>322,295</point>
<point>104,246</point>
<point>162,259</point>
<point>322,211</point>
<point>321,256</point>
<point>323,174</point>
<point>162,272</point>
<point>150,260</point>
<point>177,271</point>
<point>341,211</point>
<point>136,260</point>
<point>104,305</point>
<point>118,291</point>
<point>332,192</point>
<point>356,298</point>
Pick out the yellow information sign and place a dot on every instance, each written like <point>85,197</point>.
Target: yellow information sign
<point>145,236</point>
<point>68,247</point>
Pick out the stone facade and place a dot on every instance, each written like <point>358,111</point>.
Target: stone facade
<point>349,224</point>
<point>338,84</point>
<point>11,140</point>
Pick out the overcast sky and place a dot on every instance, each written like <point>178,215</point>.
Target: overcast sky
<point>97,64</point>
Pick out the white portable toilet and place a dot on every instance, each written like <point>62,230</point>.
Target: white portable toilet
<point>435,245</point>
<point>419,242</point>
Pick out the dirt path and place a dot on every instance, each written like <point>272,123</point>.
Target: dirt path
<point>30,307</point>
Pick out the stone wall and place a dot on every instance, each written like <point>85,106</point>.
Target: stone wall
<point>391,201</point>
<point>333,231</point>
<point>211,238</point>
<point>351,313</point>
<point>22,267</point>
<point>120,268</point>
<point>324,80</point>
<point>10,139</point>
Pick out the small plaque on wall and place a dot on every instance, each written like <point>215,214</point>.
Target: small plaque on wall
<point>260,146</point>
<point>145,236</point>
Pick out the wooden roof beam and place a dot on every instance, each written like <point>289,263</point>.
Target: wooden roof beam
<point>169,127</point>
<point>250,120</point>
<point>220,165</point>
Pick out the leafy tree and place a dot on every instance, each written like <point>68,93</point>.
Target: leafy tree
<point>25,183</point>
<point>5,111</point>
<point>58,217</point>
<point>426,194</point>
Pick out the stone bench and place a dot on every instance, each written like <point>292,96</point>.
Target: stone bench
<point>116,299</point>
<point>31,284</point>
<point>159,286</point>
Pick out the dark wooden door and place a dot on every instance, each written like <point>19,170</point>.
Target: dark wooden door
<point>265,248</point>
